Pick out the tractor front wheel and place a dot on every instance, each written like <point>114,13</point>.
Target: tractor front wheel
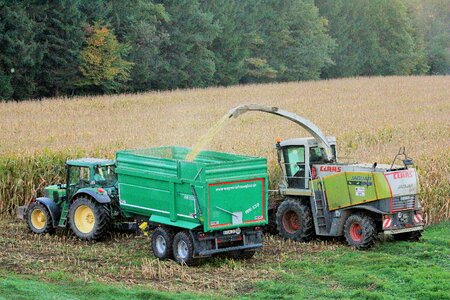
<point>39,219</point>
<point>88,219</point>
<point>360,231</point>
<point>294,221</point>
<point>162,239</point>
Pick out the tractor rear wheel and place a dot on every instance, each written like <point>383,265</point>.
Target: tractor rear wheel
<point>360,231</point>
<point>88,219</point>
<point>183,248</point>
<point>162,239</point>
<point>294,220</point>
<point>39,219</point>
<point>408,236</point>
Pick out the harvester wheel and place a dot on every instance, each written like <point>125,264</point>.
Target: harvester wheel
<point>360,231</point>
<point>88,219</point>
<point>294,221</point>
<point>162,239</point>
<point>39,219</point>
<point>183,248</point>
<point>408,236</point>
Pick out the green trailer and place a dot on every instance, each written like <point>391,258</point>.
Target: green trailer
<point>216,203</point>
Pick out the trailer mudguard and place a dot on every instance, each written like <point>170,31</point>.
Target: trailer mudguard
<point>179,223</point>
<point>93,192</point>
<point>54,210</point>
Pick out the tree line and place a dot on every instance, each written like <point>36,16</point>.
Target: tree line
<point>78,47</point>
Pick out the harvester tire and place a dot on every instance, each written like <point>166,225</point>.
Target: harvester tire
<point>38,218</point>
<point>88,219</point>
<point>183,248</point>
<point>408,236</point>
<point>162,241</point>
<point>295,221</point>
<point>360,231</point>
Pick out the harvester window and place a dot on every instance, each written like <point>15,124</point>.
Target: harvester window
<point>105,176</point>
<point>294,159</point>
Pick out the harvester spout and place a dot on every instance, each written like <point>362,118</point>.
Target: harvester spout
<point>304,123</point>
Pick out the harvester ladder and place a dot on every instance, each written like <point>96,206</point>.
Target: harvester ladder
<point>321,208</point>
<point>64,213</point>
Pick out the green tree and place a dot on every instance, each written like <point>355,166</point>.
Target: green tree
<point>59,33</point>
<point>230,53</point>
<point>102,65</point>
<point>188,60</point>
<point>18,52</point>
<point>374,37</point>
<point>138,23</point>
<point>434,19</point>
<point>288,38</point>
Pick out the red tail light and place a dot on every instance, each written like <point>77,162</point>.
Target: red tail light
<point>313,172</point>
<point>100,190</point>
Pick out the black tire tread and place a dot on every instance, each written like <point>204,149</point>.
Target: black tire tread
<point>188,239</point>
<point>49,224</point>
<point>369,227</point>
<point>101,227</point>
<point>306,231</point>
<point>168,235</point>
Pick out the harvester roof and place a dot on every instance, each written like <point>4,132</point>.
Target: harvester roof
<point>309,141</point>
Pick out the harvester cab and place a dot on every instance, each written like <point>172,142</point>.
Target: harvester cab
<point>296,158</point>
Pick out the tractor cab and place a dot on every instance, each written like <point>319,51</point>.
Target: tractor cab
<point>90,173</point>
<point>296,157</point>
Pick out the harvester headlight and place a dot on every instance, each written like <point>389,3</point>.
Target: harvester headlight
<point>238,230</point>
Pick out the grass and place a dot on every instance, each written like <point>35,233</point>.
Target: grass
<point>371,118</point>
<point>121,267</point>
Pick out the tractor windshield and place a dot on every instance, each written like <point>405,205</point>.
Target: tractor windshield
<point>105,176</point>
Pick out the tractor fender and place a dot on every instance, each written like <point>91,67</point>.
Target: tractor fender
<point>100,198</point>
<point>53,209</point>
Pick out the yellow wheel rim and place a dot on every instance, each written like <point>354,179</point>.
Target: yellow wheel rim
<point>84,219</point>
<point>38,219</point>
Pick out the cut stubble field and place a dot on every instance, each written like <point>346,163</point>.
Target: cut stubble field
<point>371,118</point>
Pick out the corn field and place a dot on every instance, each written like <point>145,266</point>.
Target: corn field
<point>371,118</point>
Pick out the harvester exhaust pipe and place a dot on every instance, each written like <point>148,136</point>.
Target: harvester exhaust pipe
<point>304,123</point>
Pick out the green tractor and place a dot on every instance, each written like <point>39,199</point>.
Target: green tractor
<point>86,202</point>
<point>324,197</point>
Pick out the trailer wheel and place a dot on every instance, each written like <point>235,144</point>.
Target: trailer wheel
<point>360,231</point>
<point>88,219</point>
<point>39,219</point>
<point>183,248</point>
<point>294,221</point>
<point>162,239</point>
<point>413,236</point>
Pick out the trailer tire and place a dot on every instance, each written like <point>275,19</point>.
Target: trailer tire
<point>183,248</point>
<point>360,231</point>
<point>38,219</point>
<point>162,241</point>
<point>294,221</point>
<point>88,219</point>
<point>408,236</point>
